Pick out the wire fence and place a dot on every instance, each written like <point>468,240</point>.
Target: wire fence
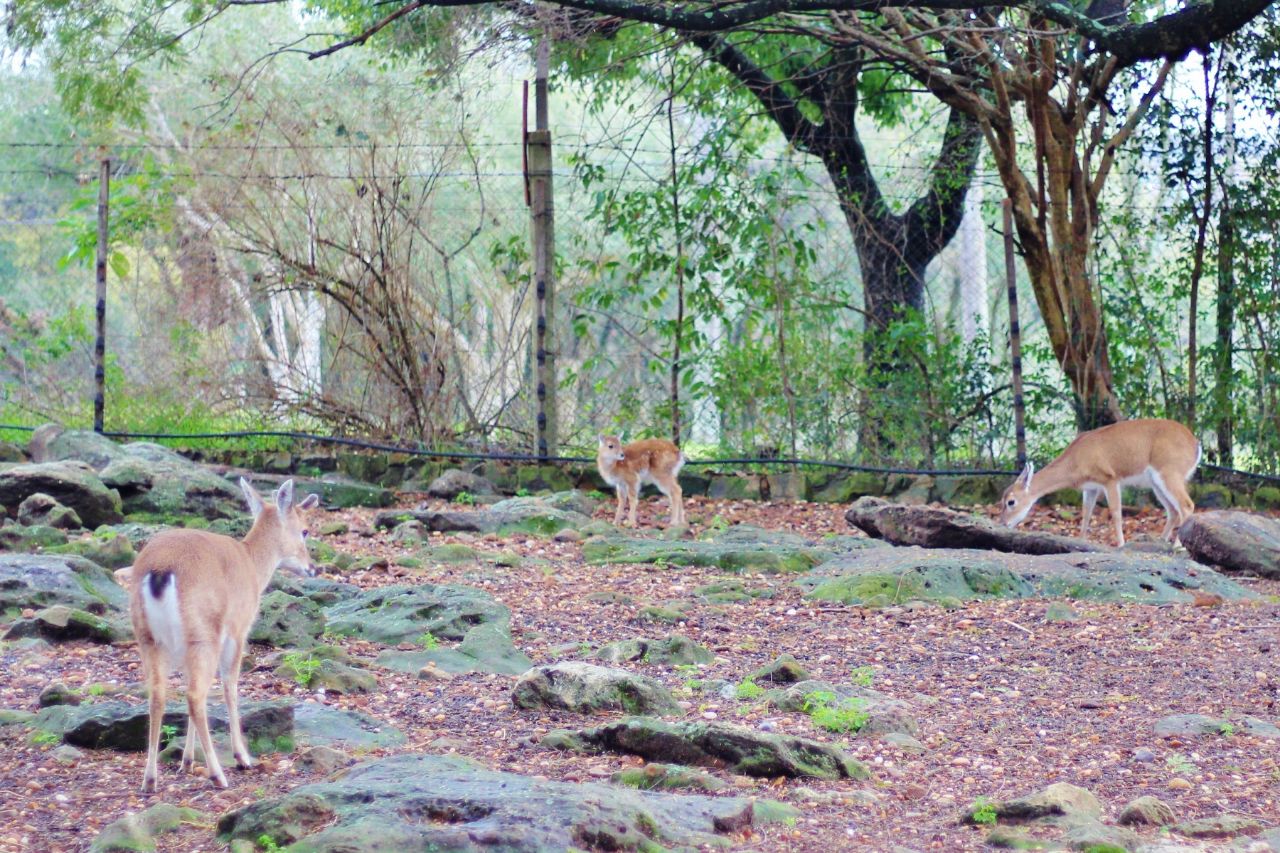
<point>385,291</point>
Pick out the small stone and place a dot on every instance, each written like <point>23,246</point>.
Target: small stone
<point>567,535</point>
<point>1144,755</point>
<point>1179,784</point>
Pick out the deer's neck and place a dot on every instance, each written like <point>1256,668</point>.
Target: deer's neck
<point>1053,477</point>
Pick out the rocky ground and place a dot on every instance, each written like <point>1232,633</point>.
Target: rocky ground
<point>959,710</point>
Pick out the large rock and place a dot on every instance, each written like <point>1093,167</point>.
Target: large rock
<point>1058,801</point>
<point>22,539</point>
<point>741,548</point>
<point>320,725</point>
<point>742,750</point>
<point>136,833</point>
<point>676,650</point>
<point>454,482</point>
<point>588,689</point>
<point>61,624</point>
<point>514,515</point>
<point>108,549</point>
<point>41,509</point>
<point>883,715</point>
<point>165,483</point>
<point>1234,541</point>
<point>123,725</point>
<point>36,582</point>
<point>287,621</point>
<point>54,443</point>
<point>934,527</point>
<point>150,478</point>
<point>887,576</point>
<point>72,484</point>
<point>435,802</point>
<point>432,615</point>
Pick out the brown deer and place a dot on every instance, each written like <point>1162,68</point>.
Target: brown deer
<point>193,597</point>
<point>627,468</point>
<point>1157,454</point>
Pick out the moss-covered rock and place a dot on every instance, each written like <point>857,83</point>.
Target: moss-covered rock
<point>21,538</point>
<point>1210,495</point>
<point>112,550</point>
<point>675,650</point>
<point>741,750</point>
<point>588,689</point>
<point>36,582</point>
<point>667,777</point>
<point>947,576</point>
<point>61,624</point>
<point>71,484</point>
<point>739,549</point>
<point>137,833</point>
<point>287,621</point>
<point>431,802</point>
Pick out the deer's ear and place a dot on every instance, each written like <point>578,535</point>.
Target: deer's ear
<point>284,496</point>
<point>251,497</point>
<point>1025,478</point>
<point>600,438</point>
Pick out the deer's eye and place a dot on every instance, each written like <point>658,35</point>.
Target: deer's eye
<point>306,533</point>
<point>1012,501</point>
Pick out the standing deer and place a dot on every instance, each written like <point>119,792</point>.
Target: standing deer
<point>1157,454</point>
<point>193,597</point>
<point>627,468</point>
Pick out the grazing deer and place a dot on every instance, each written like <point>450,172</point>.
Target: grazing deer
<point>193,597</point>
<point>627,468</point>
<point>1157,454</point>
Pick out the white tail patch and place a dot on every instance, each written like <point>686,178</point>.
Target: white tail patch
<point>163,617</point>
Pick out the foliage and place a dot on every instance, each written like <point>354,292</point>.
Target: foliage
<point>983,812</point>
<point>748,690</point>
<point>834,714</point>
<point>303,665</point>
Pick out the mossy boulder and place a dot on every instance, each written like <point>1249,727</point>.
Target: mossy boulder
<point>433,802</point>
<point>739,749</point>
<point>70,483</point>
<point>531,516</point>
<point>61,624</point>
<point>967,490</point>
<point>37,582</point>
<point>123,725</point>
<point>588,689</point>
<point>738,549</point>
<point>1234,541</point>
<point>287,621</point>
<point>137,833</point>
<point>41,509</point>
<point>112,550</point>
<point>675,650</point>
<point>23,539</point>
<point>667,777</point>
<point>948,576</point>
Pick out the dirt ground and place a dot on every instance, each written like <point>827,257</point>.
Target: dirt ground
<point>1007,701</point>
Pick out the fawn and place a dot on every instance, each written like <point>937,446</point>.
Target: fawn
<point>193,597</point>
<point>1157,454</point>
<point>627,468</point>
